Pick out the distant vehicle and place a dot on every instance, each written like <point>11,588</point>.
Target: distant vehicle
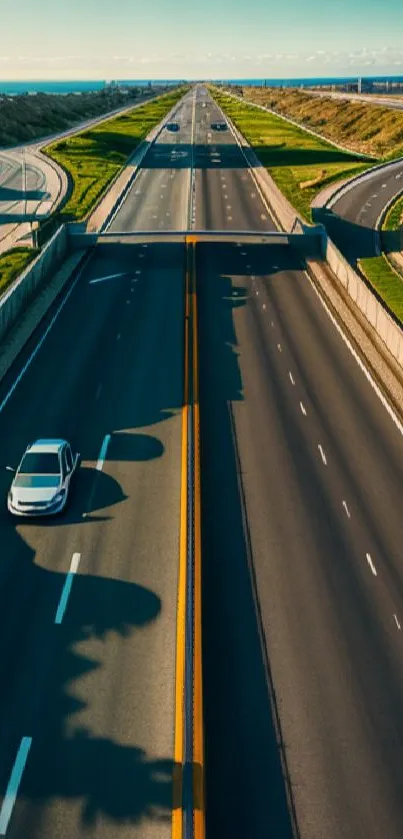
<point>172,126</point>
<point>42,481</point>
<point>219,126</point>
<point>204,104</point>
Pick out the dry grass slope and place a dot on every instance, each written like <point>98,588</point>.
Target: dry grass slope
<point>363,127</point>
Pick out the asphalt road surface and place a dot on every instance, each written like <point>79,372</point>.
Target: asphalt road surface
<point>301,473</point>
<point>353,218</point>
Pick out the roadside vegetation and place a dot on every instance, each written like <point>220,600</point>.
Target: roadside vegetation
<point>394,217</point>
<point>363,127</point>
<point>299,163</point>
<point>12,263</point>
<point>386,282</point>
<point>28,117</point>
<point>379,272</point>
<point>94,157</point>
<point>302,165</point>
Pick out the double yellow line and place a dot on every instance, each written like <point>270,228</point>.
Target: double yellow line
<point>189,700</point>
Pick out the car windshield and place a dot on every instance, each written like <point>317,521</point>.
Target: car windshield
<point>40,463</point>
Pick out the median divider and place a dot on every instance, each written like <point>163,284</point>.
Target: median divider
<point>188,812</point>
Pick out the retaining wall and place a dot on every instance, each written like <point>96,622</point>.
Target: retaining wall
<point>14,302</point>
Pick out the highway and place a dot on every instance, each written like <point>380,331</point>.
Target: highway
<point>387,101</point>
<point>301,470</point>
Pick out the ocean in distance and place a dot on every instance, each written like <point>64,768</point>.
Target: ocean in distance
<point>82,86</point>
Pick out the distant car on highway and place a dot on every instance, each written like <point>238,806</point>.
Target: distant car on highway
<point>42,480</point>
<point>219,126</point>
<point>172,126</point>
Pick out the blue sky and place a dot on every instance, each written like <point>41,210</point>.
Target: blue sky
<point>92,39</point>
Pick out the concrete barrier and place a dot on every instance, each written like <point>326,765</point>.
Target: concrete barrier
<point>366,301</point>
<point>19,295</point>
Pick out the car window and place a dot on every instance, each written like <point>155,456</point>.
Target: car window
<point>40,463</point>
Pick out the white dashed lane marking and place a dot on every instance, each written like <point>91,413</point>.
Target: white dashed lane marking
<point>322,454</point>
<point>346,509</point>
<point>290,375</point>
<point>13,784</point>
<point>371,565</point>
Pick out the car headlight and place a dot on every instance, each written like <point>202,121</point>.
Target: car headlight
<point>58,497</point>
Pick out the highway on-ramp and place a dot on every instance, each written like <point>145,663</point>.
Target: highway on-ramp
<point>301,469</point>
<point>354,215</point>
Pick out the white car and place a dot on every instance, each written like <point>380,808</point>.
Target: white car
<point>42,481</point>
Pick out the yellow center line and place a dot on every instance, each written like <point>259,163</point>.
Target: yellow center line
<point>198,725</point>
<point>177,815</point>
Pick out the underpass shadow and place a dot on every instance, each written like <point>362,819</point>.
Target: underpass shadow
<point>245,788</point>
<point>353,240</point>
<point>12,194</point>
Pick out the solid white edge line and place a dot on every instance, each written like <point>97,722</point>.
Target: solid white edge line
<point>47,330</point>
<point>322,454</point>
<point>102,453</point>
<point>371,565</point>
<point>360,363</point>
<point>109,277</point>
<point>67,588</point>
<point>14,783</point>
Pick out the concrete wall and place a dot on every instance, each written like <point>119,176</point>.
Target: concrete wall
<point>388,330</point>
<point>14,302</point>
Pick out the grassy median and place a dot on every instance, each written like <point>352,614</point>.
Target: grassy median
<point>12,263</point>
<point>299,163</point>
<point>94,157</point>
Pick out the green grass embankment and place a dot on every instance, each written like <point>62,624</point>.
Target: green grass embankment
<point>94,157</point>
<point>361,126</point>
<point>379,272</point>
<point>302,165</point>
<point>12,263</point>
<point>299,163</point>
<point>386,282</point>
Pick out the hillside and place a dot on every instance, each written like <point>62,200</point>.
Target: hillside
<point>365,128</point>
<point>26,117</point>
